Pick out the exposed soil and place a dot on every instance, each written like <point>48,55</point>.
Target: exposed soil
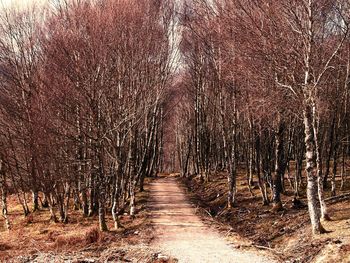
<point>286,233</point>
<point>183,235</point>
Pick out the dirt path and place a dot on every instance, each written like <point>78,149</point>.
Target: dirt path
<point>182,234</point>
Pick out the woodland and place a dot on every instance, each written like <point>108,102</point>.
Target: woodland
<point>98,97</point>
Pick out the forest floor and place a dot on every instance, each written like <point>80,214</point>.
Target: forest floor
<point>286,234</point>
<point>186,236</point>
<point>36,239</point>
<point>187,226</point>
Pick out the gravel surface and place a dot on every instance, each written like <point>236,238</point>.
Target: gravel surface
<point>181,234</point>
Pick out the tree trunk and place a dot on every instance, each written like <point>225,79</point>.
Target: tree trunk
<point>233,161</point>
<point>53,216</point>
<point>279,168</point>
<point>66,203</point>
<point>93,195</point>
<point>115,205</point>
<point>312,186</point>
<point>132,170</point>
<point>101,210</point>
<point>44,202</point>
<point>261,182</point>
<point>231,198</point>
<point>35,196</point>
<point>343,170</point>
<point>330,152</point>
<point>335,164</point>
<point>323,206</point>
<point>3,186</point>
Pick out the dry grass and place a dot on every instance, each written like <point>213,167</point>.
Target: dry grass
<point>37,235</point>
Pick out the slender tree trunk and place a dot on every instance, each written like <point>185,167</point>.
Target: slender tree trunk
<point>323,206</point>
<point>3,185</point>
<point>92,202</point>
<point>44,202</point>
<point>101,210</point>
<point>132,170</point>
<point>251,155</point>
<point>233,161</point>
<point>343,170</point>
<point>312,186</point>
<point>115,206</point>
<point>26,209</point>
<point>334,173</point>
<point>279,169</point>
<point>231,198</point>
<point>330,152</point>
<point>261,182</point>
<point>84,198</point>
<point>298,171</point>
<point>35,196</point>
<point>4,206</point>
<point>53,216</point>
<point>102,186</point>
<point>66,202</point>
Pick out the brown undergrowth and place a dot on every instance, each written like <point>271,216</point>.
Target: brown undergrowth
<point>285,233</point>
<point>35,239</point>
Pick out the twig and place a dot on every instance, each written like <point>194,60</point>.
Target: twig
<point>208,213</point>
<point>221,212</point>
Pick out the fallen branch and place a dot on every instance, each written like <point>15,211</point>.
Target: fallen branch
<point>338,198</point>
<point>268,248</point>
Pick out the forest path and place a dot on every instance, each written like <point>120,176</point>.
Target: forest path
<point>181,234</point>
